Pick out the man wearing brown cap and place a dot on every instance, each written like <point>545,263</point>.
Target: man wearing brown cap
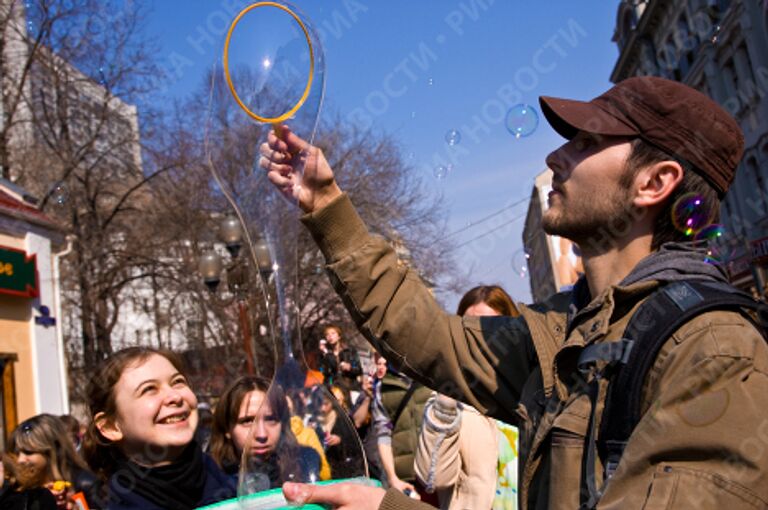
<point>702,440</point>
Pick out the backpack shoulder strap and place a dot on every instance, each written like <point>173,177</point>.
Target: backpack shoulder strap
<point>628,361</point>
<point>654,322</point>
<point>404,402</point>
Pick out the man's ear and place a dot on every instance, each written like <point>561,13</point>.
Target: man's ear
<point>108,427</point>
<point>655,183</point>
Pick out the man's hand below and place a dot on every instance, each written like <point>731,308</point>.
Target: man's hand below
<point>342,496</point>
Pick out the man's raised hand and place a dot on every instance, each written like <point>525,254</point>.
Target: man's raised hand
<point>283,158</point>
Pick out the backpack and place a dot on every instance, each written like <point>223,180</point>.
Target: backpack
<point>628,361</point>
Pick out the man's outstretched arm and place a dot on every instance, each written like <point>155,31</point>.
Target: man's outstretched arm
<point>483,361</point>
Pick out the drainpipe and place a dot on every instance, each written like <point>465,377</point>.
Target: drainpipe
<point>59,326</point>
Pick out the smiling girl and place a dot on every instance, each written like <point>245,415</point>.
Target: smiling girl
<point>141,435</point>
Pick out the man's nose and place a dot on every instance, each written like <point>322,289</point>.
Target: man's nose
<point>556,160</point>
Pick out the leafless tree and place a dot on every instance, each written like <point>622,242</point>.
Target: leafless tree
<point>389,195</point>
<point>72,71</point>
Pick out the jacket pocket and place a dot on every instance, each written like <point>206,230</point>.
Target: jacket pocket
<point>567,447</point>
<point>675,487</point>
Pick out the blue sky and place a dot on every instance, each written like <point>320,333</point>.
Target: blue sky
<point>419,68</point>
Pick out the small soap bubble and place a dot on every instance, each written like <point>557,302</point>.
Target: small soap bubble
<point>520,263</point>
<point>452,137</point>
<point>715,34</point>
<point>690,214</point>
<point>522,120</point>
<point>430,82</point>
<point>413,115</point>
<point>441,171</point>
<point>59,193</point>
<point>713,238</point>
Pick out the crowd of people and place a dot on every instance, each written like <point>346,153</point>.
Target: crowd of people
<point>651,313</point>
<point>149,443</point>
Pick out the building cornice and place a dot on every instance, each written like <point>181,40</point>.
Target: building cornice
<point>650,13</point>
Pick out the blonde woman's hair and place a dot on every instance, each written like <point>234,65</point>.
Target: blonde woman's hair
<point>47,435</point>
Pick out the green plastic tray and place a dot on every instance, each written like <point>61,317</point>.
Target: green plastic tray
<point>273,499</point>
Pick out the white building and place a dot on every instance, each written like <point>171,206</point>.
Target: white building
<point>33,377</point>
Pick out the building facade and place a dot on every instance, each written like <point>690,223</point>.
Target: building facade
<point>719,47</point>
<point>33,376</point>
<point>60,127</point>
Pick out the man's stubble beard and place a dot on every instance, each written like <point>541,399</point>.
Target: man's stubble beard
<point>589,222</point>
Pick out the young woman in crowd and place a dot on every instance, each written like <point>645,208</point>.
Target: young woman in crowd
<point>341,443</point>
<point>470,460</point>
<point>339,364</point>
<point>248,407</point>
<point>13,496</point>
<point>43,455</point>
<point>141,434</point>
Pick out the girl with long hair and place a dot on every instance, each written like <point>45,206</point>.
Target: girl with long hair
<point>42,455</point>
<point>141,434</point>
<point>251,415</point>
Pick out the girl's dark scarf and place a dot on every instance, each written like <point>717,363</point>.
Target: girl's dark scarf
<point>177,486</point>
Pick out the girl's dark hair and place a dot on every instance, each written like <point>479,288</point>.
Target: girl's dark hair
<point>644,154</point>
<point>493,296</point>
<point>47,435</point>
<point>100,453</point>
<point>222,448</point>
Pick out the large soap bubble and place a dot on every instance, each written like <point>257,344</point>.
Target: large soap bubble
<point>271,74</point>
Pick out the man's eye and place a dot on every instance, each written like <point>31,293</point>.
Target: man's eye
<point>584,143</point>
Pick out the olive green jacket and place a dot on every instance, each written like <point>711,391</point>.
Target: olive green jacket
<point>404,433</point>
<point>702,442</point>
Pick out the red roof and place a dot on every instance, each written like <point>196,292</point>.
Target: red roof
<point>12,206</point>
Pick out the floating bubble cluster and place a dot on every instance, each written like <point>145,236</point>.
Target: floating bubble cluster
<point>522,120</point>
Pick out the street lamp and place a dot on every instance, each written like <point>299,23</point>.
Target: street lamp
<point>231,233</point>
<point>263,257</point>
<point>211,266</point>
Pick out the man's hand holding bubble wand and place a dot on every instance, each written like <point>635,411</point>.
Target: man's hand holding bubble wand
<point>273,67</point>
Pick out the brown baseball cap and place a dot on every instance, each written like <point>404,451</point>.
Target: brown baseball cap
<point>674,117</point>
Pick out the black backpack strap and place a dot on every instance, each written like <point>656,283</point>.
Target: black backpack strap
<point>610,353</point>
<point>404,402</point>
<point>629,361</point>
